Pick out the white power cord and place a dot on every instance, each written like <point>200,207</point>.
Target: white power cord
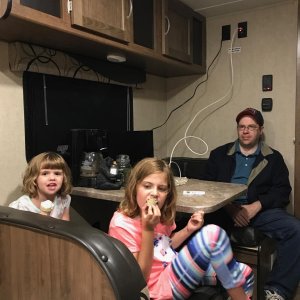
<point>203,109</point>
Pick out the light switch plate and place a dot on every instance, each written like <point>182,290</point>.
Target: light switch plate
<point>266,104</point>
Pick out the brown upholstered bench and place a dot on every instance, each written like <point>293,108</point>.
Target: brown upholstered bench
<point>46,258</point>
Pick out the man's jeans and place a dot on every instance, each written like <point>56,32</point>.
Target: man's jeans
<point>285,229</point>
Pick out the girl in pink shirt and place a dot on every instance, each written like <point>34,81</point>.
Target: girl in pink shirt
<point>145,223</point>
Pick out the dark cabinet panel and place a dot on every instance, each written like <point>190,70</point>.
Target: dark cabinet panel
<point>143,23</point>
<point>49,7</point>
<point>199,40</point>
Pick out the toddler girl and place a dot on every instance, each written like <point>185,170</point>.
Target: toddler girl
<point>46,187</point>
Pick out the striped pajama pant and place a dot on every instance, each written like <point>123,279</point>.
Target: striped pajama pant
<point>207,254</point>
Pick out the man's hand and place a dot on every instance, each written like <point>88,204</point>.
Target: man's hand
<point>242,214</point>
<point>240,217</point>
<point>252,209</point>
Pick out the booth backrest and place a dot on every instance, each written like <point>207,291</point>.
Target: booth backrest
<point>46,258</point>
<point>189,167</point>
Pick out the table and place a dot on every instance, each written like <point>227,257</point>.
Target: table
<point>217,195</point>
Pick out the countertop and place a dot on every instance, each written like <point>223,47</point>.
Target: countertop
<point>215,196</point>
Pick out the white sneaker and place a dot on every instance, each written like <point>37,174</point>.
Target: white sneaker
<point>272,295</point>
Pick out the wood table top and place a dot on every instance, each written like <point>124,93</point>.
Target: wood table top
<point>214,195</point>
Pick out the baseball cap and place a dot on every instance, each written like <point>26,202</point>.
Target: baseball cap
<point>253,113</point>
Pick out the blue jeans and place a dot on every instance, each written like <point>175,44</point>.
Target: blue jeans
<point>285,229</point>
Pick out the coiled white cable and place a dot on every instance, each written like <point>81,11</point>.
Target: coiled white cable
<point>229,91</point>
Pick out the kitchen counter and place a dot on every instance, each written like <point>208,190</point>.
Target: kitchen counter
<point>214,195</point>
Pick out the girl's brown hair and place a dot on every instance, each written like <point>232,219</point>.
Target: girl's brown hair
<point>142,169</point>
<point>46,160</point>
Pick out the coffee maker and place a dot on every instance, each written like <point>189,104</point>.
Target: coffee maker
<point>88,146</point>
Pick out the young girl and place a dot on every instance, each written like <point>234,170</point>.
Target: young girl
<point>46,185</point>
<point>145,224</point>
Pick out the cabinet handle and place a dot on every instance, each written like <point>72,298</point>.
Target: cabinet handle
<point>168,25</point>
<point>130,9</point>
<point>7,10</point>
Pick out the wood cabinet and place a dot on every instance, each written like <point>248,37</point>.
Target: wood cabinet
<point>183,32</point>
<point>177,29</point>
<point>112,18</point>
<point>95,28</point>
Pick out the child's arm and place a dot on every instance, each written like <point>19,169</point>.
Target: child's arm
<point>66,214</point>
<point>66,204</point>
<point>145,256</point>
<point>195,222</point>
<point>150,218</point>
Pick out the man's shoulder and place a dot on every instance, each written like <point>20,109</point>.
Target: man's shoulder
<point>267,150</point>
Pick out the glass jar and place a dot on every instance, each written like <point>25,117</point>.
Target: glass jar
<point>114,169</point>
<point>90,164</point>
<point>123,162</point>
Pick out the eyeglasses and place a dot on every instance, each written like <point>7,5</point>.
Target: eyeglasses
<point>249,127</point>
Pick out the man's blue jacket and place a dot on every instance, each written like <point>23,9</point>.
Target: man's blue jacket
<point>268,181</point>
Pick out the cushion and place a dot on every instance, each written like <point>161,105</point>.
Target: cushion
<point>246,236</point>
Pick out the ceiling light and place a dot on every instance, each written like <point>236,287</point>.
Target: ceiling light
<point>116,58</point>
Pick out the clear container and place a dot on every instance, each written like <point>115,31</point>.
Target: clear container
<point>90,164</point>
<point>124,165</point>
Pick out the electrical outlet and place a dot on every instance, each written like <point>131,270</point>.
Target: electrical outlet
<point>242,30</point>
<point>225,32</point>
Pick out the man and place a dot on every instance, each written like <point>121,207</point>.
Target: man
<point>250,161</point>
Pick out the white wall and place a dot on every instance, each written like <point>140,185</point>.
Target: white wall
<point>150,108</point>
<point>270,48</point>
<point>12,150</point>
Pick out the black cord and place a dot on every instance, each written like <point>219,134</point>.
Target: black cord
<point>186,101</point>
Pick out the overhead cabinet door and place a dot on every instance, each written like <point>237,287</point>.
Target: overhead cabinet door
<point>111,18</point>
<point>177,30</point>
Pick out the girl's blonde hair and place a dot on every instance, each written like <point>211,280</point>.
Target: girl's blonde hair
<point>46,160</point>
<point>142,169</point>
